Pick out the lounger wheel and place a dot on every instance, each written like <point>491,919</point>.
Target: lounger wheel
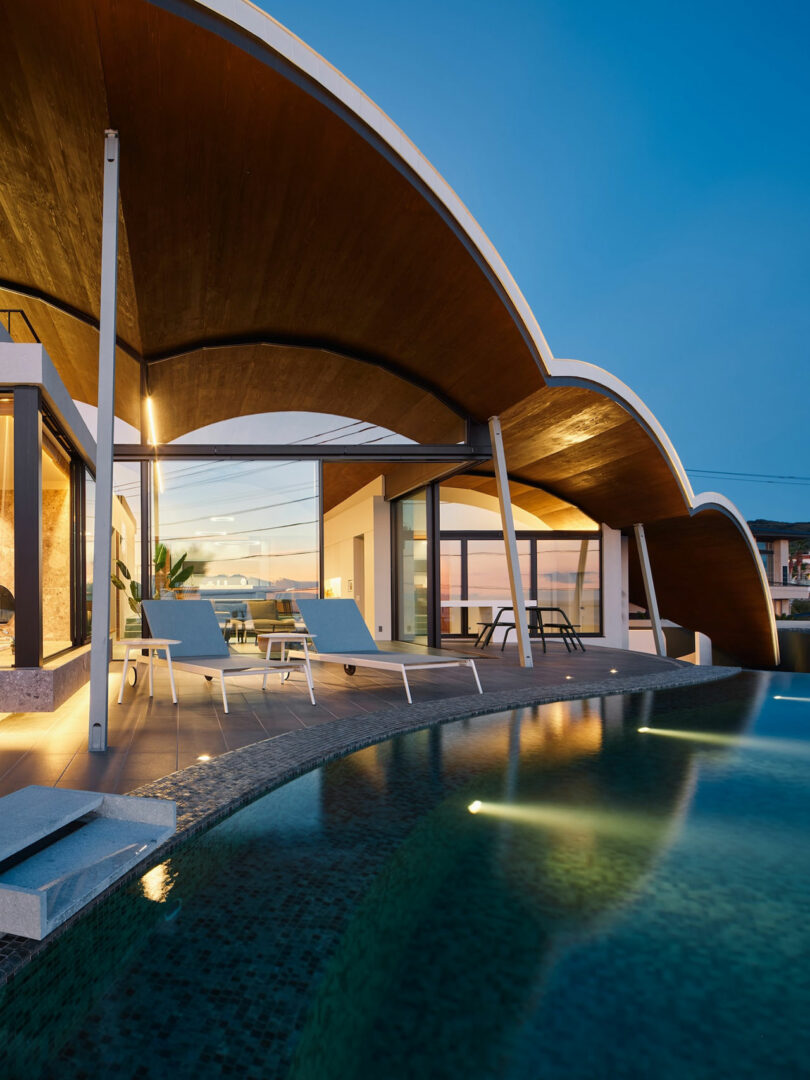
<point>132,675</point>
<point>349,669</point>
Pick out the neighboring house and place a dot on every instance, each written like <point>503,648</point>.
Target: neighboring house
<point>788,574</point>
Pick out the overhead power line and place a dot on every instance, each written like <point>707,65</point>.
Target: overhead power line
<point>753,478</point>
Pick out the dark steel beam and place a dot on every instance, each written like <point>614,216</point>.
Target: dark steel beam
<point>455,452</point>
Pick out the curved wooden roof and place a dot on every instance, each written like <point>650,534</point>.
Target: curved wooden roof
<point>283,245</point>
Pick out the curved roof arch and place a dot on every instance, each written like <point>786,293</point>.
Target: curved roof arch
<point>266,200</point>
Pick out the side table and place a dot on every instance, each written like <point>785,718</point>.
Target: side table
<point>282,637</point>
<point>150,644</point>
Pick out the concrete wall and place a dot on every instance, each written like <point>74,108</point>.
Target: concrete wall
<point>614,589</point>
<point>357,555</point>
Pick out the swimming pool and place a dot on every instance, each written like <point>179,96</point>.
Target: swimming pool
<point>623,903</point>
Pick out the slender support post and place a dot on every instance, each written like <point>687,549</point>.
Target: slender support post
<point>649,589</point>
<point>508,523</point>
<point>100,640</point>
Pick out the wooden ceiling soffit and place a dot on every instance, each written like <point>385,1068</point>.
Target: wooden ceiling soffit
<point>250,203</point>
<point>215,384</point>
<point>555,512</point>
<point>70,344</point>
<point>341,479</point>
<point>706,579</point>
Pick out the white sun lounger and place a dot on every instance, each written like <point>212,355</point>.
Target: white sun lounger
<point>204,651</point>
<point>342,637</point>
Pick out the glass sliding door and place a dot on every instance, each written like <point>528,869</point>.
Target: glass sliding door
<point>6,530</point>
<point>556,570</point>
<point>411,546</point>
<point>452,587</point>
<point>569,577</point>
<point>242,534</point>
<point>57,537</point>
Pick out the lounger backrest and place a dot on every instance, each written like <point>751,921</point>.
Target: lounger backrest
<point>337,626</point>
<point>192,622</point>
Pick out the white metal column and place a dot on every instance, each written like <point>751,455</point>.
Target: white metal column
<point>508,523</point>
<point>649,589</point>
<point>100,641</point>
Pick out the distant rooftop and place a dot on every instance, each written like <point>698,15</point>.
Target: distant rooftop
<point>789,530</point>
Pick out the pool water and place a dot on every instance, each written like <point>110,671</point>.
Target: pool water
<point>624,903</point>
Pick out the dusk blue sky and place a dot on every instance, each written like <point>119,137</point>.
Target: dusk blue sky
<point>643,169</point>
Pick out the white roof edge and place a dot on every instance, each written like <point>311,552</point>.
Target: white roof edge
<point>28,364</point>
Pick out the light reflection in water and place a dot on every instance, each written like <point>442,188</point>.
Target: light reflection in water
<point>157,883</point>
<point>578,819</point>
<point>794,747</point>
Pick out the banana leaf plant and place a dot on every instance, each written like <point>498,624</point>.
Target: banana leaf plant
<point>131,588</point>
<point>176,574</point>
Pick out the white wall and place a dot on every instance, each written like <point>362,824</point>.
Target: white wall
<point>615,601</point>
<point>365,514</point>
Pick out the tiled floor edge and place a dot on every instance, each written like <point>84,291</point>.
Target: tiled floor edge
<point>207,793</point>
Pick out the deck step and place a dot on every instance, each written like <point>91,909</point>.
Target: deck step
<point>62,848</point>
<point>34,812</point>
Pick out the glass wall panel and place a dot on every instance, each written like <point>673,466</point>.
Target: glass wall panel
<point>56,544</point>
<point>451,580</point>
<point>568,576</point>
<point>125,619</point>
<point>488,572</point>
<point>242,534</point>
<point>6,530</point>
<point>89,543</point>
<point>410,525</point>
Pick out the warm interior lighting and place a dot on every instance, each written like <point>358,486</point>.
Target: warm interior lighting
<point>204,757</point>
<point>614,671</point>
<point>159,475</point>
<point>569,676</point>
<point>150,414</point>
<point>475,806</point>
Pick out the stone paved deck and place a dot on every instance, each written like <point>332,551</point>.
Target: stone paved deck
<point>151,738</point>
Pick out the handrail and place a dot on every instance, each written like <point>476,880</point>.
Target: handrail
<point>8,312</point>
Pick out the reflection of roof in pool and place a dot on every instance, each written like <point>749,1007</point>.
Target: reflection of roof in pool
<point>466,912</point>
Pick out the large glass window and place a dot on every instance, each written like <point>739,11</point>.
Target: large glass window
<point>569,577</point>
<point>242,534</point>
<point>89,544</point>
<point>410,524</point>
<point>556,571</point>
<point>488,571</point>
<point>56,546</point>
<point>6,530</point>
<point>125,620</point>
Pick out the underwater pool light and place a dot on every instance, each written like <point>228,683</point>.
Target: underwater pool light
<point>569,676</point>
<point>204,757</point>
<point>765,744</point>
<point>614,671</point>
<point>560,817</point>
